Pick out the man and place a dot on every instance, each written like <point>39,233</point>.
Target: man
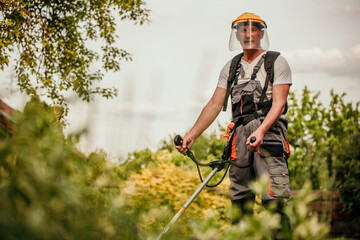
<point>258,109</point>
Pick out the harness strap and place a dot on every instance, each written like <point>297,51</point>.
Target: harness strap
<point>241,70</point>
<point>248,118</point>
<point>269,68</point>
<point>236,69</point>
<point>268,59</point>
<point>233,69</point>
<point>238,122</point>
<point>257,67</point>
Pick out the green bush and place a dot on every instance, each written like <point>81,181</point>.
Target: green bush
<point>325,146</point>
<point>50,191</point>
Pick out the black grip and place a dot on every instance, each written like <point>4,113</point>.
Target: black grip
<point>253,139</point>
<point>178,140</point>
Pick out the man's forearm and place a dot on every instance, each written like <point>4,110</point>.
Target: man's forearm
<point>280,93</point>
<point>272,116</point>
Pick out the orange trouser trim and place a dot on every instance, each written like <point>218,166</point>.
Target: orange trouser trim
<point>287,148</point>
<point>270,188</point>
<point>233,149</point>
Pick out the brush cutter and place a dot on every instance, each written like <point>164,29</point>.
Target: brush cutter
<point>216,166</point>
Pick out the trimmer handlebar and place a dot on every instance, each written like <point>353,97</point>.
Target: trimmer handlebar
<point>178,141</point>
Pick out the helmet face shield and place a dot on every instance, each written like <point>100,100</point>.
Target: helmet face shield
<point>248,35</point>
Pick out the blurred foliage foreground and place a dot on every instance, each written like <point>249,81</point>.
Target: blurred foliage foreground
<point>48,190</point>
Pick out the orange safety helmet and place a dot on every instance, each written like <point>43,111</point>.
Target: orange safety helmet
<point>245,17</point>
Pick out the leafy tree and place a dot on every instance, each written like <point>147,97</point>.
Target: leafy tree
<point>325,145</point>
<point>307,139</point>
<point>50,191</point>
<point>50,42</point>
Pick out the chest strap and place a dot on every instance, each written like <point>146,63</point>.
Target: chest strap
<point>236,69</point>
<point>243,120</point>
<point>241,71</point>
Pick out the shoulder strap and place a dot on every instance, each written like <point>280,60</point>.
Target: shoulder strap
<point>232,72</point>
<point>257,67</point>
<point>269,68</point>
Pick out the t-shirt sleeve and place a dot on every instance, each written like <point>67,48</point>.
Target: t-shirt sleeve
<point>224,75</point>
<point>282,71</point>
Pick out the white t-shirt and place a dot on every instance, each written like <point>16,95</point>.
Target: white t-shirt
<point>282,73</point>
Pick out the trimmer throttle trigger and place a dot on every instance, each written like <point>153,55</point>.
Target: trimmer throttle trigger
<point>178,140</point>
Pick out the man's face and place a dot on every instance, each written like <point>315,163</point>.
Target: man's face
<point>249,36</point>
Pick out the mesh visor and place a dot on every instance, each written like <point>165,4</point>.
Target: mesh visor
<point>248,35</point>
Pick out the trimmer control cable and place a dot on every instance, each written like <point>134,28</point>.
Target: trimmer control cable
<point>219,164</point>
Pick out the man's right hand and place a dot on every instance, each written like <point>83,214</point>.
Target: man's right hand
<point>187,143</point>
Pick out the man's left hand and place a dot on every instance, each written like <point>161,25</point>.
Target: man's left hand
<point>254,147</point>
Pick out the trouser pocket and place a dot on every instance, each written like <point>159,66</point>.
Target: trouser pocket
<point>279,183</point>
<point>271,148</point>
<point>279,186</point>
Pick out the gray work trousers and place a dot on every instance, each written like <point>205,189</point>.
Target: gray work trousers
<point>270,161</point>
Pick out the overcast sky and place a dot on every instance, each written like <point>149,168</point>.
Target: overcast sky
<point>178,56</point>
